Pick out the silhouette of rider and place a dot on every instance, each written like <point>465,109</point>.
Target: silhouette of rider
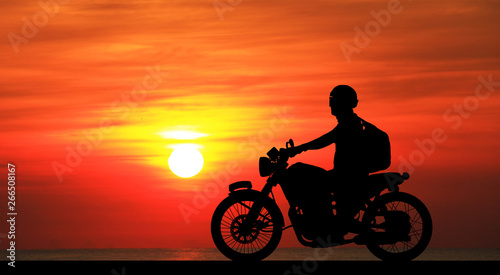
<point>349,168</point>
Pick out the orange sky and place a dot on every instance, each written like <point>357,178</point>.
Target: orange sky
<point>251,81</point>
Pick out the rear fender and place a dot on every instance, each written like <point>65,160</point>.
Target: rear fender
<point>393,180</point>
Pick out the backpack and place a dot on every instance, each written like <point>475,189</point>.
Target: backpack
<point>377,148</point>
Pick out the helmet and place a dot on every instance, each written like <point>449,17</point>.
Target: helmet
<point>344,95</point>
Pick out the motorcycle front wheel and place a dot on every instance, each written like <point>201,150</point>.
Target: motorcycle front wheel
<point>420,227</point>
<point>249,244</point>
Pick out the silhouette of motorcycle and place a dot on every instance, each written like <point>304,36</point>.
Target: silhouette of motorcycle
<point>248,224</point>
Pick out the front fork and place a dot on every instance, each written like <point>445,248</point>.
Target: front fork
<point>257,206</point>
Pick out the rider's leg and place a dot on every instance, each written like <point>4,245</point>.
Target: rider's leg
<point>320,205</point>
<point>337,227</point>
<point>346,190</point>
<point>344,212</point>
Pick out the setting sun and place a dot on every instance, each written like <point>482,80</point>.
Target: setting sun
<point>185,161</point>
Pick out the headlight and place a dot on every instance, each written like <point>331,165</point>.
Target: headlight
<point>265,167</point>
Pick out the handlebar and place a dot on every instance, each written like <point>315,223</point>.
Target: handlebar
<point>275,154</point>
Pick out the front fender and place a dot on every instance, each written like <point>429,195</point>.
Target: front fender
<point>238,185</point>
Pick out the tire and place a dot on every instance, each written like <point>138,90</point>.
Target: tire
<point>420,231</point>
<point>264,237</point>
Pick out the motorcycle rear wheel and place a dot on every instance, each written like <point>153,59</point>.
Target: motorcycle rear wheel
<point>250,245</point>
<point>420,232</point>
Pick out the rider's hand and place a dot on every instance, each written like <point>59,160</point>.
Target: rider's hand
<point>293,151</point>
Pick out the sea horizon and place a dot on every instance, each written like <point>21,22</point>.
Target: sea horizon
<point>212,254</point>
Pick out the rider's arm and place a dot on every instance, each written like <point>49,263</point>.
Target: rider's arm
<point>321,142</point>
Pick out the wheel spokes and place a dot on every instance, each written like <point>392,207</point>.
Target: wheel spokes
<point>416,228</point>
<point>252,239</point>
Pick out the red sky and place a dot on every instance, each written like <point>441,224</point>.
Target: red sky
<point>248,82</point>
